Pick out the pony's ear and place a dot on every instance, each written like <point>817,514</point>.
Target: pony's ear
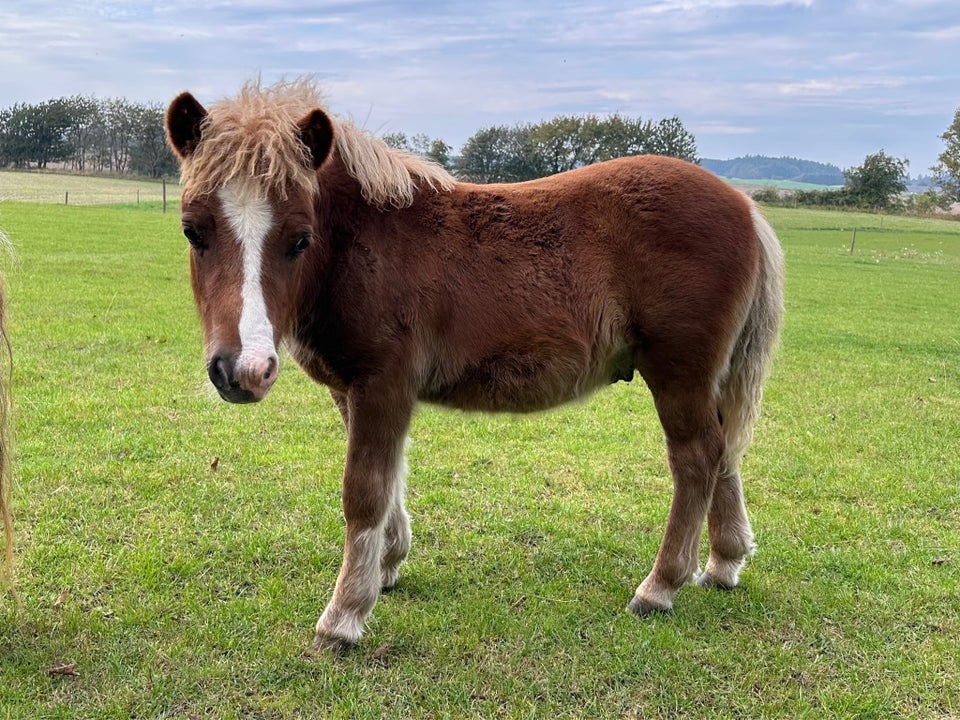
<point>183,124</point>
<point>316,132</point>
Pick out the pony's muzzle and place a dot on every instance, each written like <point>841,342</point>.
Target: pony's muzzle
<point>242,381</point>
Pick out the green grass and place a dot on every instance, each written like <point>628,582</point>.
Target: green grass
<point>780,184</point>
<point>184,591</point>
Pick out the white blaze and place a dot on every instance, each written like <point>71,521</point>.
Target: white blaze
<point>250,217</point>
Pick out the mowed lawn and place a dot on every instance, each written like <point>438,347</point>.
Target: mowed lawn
<point>177,550</point>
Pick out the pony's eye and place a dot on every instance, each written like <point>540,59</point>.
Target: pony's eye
<point>303,242</point>
<point>193,237</point>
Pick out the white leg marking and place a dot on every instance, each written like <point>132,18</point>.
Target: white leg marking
<point>721,573</point>
<point>356,591</point>
<point>655,594</point>
<point>398,536</point>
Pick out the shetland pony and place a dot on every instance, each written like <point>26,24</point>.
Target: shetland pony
<point>391,283</point>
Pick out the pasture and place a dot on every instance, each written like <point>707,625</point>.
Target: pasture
<point>66,189</point>
<point>174,551</point>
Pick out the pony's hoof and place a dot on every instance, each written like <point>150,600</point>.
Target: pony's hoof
<point>330,644</point>
<point>712,583</point>
<point>388,580</point>
<point>721,574</point>
<point>644,608</point>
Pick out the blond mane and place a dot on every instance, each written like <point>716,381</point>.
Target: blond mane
<point>255,136</point>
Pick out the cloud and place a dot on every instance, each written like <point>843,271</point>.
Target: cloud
<point>947,34</point>
<point>829,88</point>
<point>722,128</point>
<point>742,74</point>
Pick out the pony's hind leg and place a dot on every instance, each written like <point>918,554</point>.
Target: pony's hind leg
<point>731,539</point>
<point>694,449</point>
<point>397,532</point>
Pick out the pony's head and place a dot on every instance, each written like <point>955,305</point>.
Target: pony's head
<point>250,188</point>
<point>249,184</point>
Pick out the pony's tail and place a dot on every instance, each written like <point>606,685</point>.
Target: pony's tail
<point>742,389</point>
<point>6,377</point>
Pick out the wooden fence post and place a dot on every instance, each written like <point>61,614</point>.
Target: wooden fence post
<point>853,240</point>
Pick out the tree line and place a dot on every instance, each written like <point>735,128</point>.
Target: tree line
<point>880,183</point>
<point>528,151</point>
<point>776,168</point>
<point>86,134</point>
<point>116,136</point>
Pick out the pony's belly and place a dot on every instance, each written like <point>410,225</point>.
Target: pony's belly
<point>521,387</point>
<point>497,399</point>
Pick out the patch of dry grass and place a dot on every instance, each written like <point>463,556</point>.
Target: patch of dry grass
<point>60,188</point>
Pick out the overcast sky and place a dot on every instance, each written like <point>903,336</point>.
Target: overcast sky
<point>826,80</point>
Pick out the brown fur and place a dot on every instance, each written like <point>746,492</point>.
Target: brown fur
<point>511,298</point>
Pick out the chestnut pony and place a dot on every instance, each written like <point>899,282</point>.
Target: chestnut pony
<point>391,283</point>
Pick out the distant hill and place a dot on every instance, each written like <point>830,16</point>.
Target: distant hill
<point>759,167</point>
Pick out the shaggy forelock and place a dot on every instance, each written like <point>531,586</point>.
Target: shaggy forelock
<point>255,137</point>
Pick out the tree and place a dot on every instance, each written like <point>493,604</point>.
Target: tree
<point>421,144</point>
<point>524,152</point>
<point>670,137</point>
<point>501,154</point>
<point>946,173</point>
<point>439,152</point>
<point>14,136</point>
<point>149,153</point>
<point>565,142</point>
<point>34,134</point>
<point>397,140</point>
<point>49,133</point>
<point>86,119</point>
<point>878,182</point>
<point>88,134</point>
<point>121,126</point>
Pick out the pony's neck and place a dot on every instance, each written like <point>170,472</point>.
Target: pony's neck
<point>388,177</point>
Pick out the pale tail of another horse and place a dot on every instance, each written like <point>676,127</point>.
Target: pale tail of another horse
<point>742,389</point>
<point>6,377</point>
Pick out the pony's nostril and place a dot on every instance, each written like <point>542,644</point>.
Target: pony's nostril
<point>271,370</point>
<point>219,371</point>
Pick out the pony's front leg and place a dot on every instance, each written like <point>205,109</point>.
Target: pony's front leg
<point>377,431</point>
<point>397,531</point>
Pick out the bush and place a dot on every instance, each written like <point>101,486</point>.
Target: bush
<point>767,194</point>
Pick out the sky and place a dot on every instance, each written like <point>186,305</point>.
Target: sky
<point>826,80</point>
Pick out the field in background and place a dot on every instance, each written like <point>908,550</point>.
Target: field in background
<point>753,184</point>
<point>57,188</point>
<point>177,549</point>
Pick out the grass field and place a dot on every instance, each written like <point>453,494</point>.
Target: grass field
<point>85,190</point>
<point>184,590</point>
<point>779,184</point>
